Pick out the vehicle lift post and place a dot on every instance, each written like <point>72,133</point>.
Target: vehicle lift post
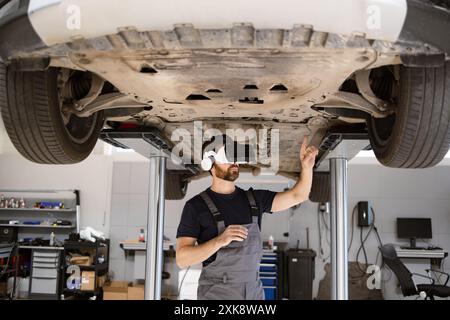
<point>149,143</point>
<point>155,227</point>
<point>340,148</point>
<point>339,220</point>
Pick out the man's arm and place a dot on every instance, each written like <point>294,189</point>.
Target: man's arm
<point>188,254</point>
<point>300,191</point>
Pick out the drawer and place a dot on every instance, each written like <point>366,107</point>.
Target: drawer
<point>47,286</point>
<point>46,254</point>
<point>46,260</point>
<point>269,259</point>
<point>45,265</point>
<point>266,267</point>
<point>269,254</point>
<point>267,274</point>
<point>51,273</point>
<point>269,281</point>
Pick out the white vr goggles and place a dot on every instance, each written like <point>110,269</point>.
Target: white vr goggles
<point>226,156</point>
<point>209,157</point>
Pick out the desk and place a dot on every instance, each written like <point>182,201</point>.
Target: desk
<point>138,249</point>
<point>420,253</point>
<point>435,256</point>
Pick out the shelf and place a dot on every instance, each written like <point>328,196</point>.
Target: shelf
<point>37,209</point>
<point>100,266</point>
<point>85,244</point>
<point>79,291</point>
<point>36,226</point>
<point>40,247</point>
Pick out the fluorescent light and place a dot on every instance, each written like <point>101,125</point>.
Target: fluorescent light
<point>365,154</point>
<point>120,150</point>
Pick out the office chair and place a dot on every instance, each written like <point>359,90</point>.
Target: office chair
<point>405,277</point>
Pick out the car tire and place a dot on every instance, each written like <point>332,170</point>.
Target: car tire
<point>176,186</point>
<point>30,107</point>
<point>320,189</point>
<point>418,134</point>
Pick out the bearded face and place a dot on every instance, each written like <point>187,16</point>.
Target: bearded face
<point>228,172</point>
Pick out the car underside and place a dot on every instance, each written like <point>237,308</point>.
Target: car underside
<point>301,81</point>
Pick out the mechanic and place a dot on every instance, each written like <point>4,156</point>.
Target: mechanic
<point>225,221</point>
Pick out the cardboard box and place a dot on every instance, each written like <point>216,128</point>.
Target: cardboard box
<point>101,280</point>
<point>81,261</point>
<point>116,290</point>
<point>136,292</point>
<point>118,284</point>
<point>88,281</point>
<point>115,293</point>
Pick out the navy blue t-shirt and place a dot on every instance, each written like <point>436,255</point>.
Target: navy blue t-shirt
<point>198,222</point>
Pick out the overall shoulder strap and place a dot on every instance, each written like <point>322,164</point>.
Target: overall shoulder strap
<point>254,207</point>
<point>218,218</point>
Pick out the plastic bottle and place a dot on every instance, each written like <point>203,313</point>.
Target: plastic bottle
<point>142,236</point>
<point>52,239</point>
<point>270,242</point>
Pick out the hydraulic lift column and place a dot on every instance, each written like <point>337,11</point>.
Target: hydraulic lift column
<point>341,147</point>
<point>339,258</point>
<point>155,227</point>
<point>149,143</point>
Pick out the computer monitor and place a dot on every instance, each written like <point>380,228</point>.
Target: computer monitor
<point>414,228</point>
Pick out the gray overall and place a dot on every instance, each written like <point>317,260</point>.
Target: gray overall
<point>234,274</point>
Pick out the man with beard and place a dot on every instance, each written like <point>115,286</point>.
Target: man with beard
<point>220,227</point>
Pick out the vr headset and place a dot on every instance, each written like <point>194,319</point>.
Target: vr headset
<point>227,153</point>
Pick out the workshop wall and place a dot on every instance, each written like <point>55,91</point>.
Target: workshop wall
<point>91,177</point>
<point>392,193</point>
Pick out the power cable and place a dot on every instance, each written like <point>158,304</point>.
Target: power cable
<point>182,280</point>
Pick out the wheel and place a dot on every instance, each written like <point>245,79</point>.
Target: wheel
<point>418,134</point>
<point>31,104</point>
<point>320,190</point>
<point>176,186</point>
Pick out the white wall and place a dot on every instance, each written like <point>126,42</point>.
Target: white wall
<point>91,177</point>
<point>393,193</point>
